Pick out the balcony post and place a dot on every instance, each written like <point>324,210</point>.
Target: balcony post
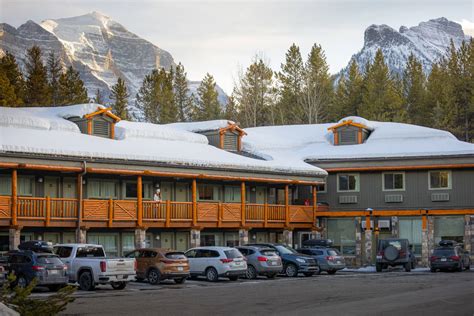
<point>48,211</point>
<point>315,203</point>
<point>14,209</point>
<point>168,213</point>
<point>219,214</point>
<point>111,212</point>
<point>79,200</point>
<point>139,201</point>
<point>242,203</point>
<point>287,206</point>
<point>265,215</point>
<point>194,198</point>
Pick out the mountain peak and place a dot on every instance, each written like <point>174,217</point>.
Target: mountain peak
<point>383,33</point>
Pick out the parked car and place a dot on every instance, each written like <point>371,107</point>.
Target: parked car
<point>157,264</point>
<point>261,261</point>
<point>293,261</point>
<point>46,268</point>
<point>215,262</point>
<point>88,265</point>
<point>449,256</point>
<point>394,252</point>
<point>328,259</point>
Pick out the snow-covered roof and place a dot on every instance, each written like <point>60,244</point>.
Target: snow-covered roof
<point>387,140</point>
<point>203,126</point>
<point>47,131</point>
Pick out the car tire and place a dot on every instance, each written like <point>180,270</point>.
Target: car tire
<point>180,281</point>
<point>118,285</point>
<point>154,276</point>
<point>332,272</point>
<point>271,275</point>
<point>86,281</point>
<point>433,270</point>
<point>251,272</point>
<point>291,270</point>
<point>211,274</point>
<point>378,267</point>
<point>234,277</point>
<point>408,266</point>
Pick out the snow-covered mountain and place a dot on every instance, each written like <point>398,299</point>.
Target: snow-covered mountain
<point>428,41</point>
<point>101,49</point>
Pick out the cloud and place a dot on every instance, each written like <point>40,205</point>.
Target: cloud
<point>468,27</point>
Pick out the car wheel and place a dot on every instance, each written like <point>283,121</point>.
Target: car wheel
<point>86,282</point>
<point>234,277</point>
<point>251,272</point>
<point>332,272</point>
<point>180,281</point>
<point>21,281</point>
<point>211,275</point>
<point>433,270</point>
<point>271,275</point>
<point>118,285</point>
<point>291,270</point>
<point>408,266</point>
<point>154,276</point>
<point>378,267</point>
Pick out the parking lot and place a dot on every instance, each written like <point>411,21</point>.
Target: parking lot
<point>355,293</point>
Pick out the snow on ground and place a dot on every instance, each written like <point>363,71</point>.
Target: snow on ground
<point>371,269</point>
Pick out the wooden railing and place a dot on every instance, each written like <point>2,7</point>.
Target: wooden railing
<point>63,208</point>
<point>255,212</point>
<point>276,213</point>
<point>181,210</point>
<point>154,210</point>
<point>5,207</point>
<point>301,214</point>
<point>31,207</point>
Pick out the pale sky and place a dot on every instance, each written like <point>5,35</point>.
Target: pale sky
<point>221,36</point>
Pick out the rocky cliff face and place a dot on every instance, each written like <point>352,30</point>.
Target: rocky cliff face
<point>428,41</point>
<point>101,49</point>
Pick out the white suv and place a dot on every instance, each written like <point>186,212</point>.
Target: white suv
<point>215,262</point>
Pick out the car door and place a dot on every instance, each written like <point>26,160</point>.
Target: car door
<point>191,255</point>
<point>140,264</point>
<point>64,254</point>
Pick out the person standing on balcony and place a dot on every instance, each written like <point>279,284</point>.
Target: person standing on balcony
<point>157,198</point>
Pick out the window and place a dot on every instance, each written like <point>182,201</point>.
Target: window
<point>232,194</point>
<point>348,182</point>
<point>410,228</point>
<point>90,252</point>
<point>63,252</point>
<point>393,181</point>
<point>25,186</point>
<point>342,232</point>
<point>449,228</point>
<point>321,188</point>
<point>5,185</point>
<point>108,241</point>
<point>439,180</point>
<point>191,253</point>
<point>347,137</point>
<point>101,189</point>
<point>128,242</point>
<point>131,190</point>
<point>208,192</point>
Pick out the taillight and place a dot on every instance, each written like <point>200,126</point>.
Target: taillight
<point>262,259</point>
<point>330,258</point>
<point>433,258</point>
<point>380,253</point>
<point>103,266</point>
<point>37,268</point>
<point>455,258</point>
<point>65,267</point>
<point>226,260</point>
<point>402,254</point>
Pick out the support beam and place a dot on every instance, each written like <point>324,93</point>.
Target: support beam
<point>288,237</point>
<point>139,201</point>
<point>315,203</point>
<point>242,203</point>
<point>368,246</point>
<point>81,235</point>
<point>79,200</point>
<point>89,126</point>
<point>287,206</point>
<point>424,241</point>
<point>14,198</point>
<point>243,237</point>
<point>48,211</point>
<point>14,237</point>
<point>195,238</point>
<point>194,198</point>
<point>140,236</point>
<point>358,250</point>
<point>111,213</point>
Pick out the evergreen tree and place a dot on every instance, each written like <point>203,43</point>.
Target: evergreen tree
<point>317,92</point>
<point>254,94</point>
<point>208,106</point>
<point>381,98</point>
<point>231,113</point>
<point>99,98</point>
<point>181,92</point>
<point>349,93</point>
<point>54,73</point>
<point>291,80</point>
<point>120,97</point>
<point>7,91</point>
<point>9,67</point>
<point>37,88</point>
<point>71,88</point>
<point>414,93</point>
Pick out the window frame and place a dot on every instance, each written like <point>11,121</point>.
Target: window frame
<point>393,172</point>
<point>357,188</point>
<point>325,188</point>
<point>147,187</point>
<point>450,180</point>
<point>100,182</point>
<point>32,181</point>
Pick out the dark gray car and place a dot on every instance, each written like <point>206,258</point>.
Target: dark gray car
<point>394,252</point>
<point>261,261</point>
<point>329,259</point>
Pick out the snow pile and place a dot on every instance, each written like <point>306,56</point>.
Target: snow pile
<point>197,127</point>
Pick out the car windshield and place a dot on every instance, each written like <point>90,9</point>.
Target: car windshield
<point>268,252</point>
<point>90,252</point>
<point>443,252</point>
<point>233,253</point>
<point>395,243</point>
<point>49,260</point>
<point>175,255</point>
<point>333,252</point>
<point>285,250</point>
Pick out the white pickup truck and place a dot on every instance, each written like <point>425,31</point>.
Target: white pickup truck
<point>88,265</point>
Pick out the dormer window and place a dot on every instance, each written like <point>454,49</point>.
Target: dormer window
<point>228,138</point>
<point>99,123</point>
<point>349,132</point>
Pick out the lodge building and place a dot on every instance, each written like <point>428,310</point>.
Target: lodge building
<point>80,174</point>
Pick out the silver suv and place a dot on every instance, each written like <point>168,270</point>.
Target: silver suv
<point>215,262</point>
<point>261,261</point>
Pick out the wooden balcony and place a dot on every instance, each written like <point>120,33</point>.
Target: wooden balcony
<point>61,212</point>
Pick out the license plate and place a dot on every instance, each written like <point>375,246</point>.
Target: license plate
<point>180,268</point>
<point>338,262</point>
<point>273,263</point>
<point>379,257</point>
<point>444,259</point>
<point>53,272</point>
<point>120,276</point>
<point>237,263</point>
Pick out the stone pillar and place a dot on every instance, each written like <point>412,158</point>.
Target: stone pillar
<point>431,241</point>
<point>140,237</point>
<point>195,238</point>
<point>81,235</point>
<point>288,237</point>
<point>395,229</point>
<point>469,233</point>
<point>323,224</point>
<point>425,246</point>
<point>358,239</point>
<point>243,236</point>
<point>316,234</point>
<point>368,247</point>
<point>14,235</point>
